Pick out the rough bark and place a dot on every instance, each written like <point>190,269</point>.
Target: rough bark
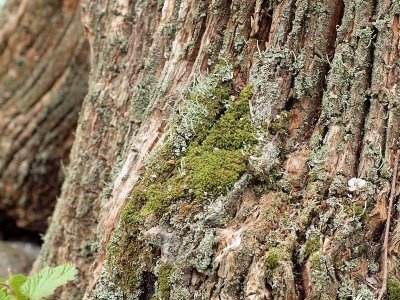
<point>324,109</point>
<point>44,68</point>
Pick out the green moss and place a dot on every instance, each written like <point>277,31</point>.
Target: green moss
<point>280,125</point>
<point>360,250</point>
<point>164,274</point>
<point>357,211</point>
<point>272,260</point>
<point>393,288</point>
<point>312,244</point>
<point>130,265</point>
<point>233,130</point>
<point>213,173</point>
<point>129,260</point>
<point>154,198</point>
<point>210,166</point>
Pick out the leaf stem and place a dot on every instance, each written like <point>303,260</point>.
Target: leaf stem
<point>5,285</point>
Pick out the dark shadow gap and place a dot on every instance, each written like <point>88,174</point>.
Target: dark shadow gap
<point>9,231</point>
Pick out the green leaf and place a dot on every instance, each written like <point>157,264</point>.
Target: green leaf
<point>4,296</point>
<point>47,280</point>
<point>15,282</point>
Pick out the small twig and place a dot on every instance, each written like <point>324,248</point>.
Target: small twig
<point>5,285</point>
<point>9,288</point>
<point>387,230</point>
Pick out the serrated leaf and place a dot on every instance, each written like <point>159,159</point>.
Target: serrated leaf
<point>47,280</point>
<point>15,282</point>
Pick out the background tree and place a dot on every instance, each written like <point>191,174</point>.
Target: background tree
<point>43,79</point>
<point>275,106</point>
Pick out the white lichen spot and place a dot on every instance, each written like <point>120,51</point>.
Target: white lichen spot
<point>356,184</point>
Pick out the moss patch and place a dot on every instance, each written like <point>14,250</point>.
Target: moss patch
<point>280,125</point>
<point>393,288</point>
<point>312,244</point>
<point>129,260</point>
<point>164,274</point>
<point>213,173</point>
<point>210,165</point>
<point>272,261</point>
<point>233,130</point>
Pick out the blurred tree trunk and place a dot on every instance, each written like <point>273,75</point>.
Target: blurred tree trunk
<point>43,79</point>
<point>325,109</point>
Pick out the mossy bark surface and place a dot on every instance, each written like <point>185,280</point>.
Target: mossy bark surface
<point>215,145</point>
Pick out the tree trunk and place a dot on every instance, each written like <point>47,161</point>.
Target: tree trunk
<point>43,79</point>
<point>256,114</point>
